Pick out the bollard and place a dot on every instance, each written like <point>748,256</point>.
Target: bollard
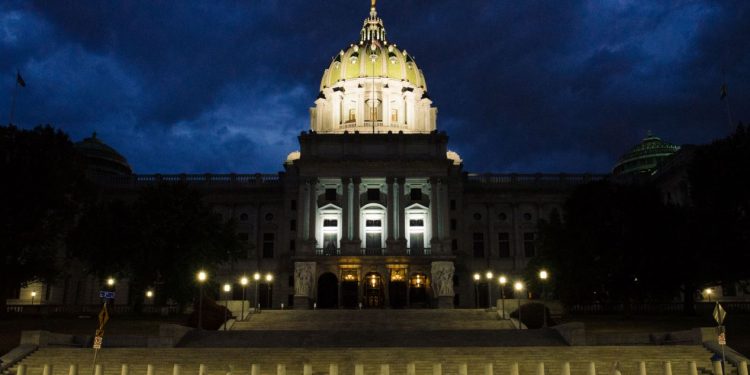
<point>73,369</point>
<point>385,369</point>
<point>540,368</point>
<point>125,369</point>
<point>307,369</point>
<point>463,369</point>
<point>692,368</point>
<point>642,368</point>
<point>716,365</point>
<point>150,370</point>
<point>514,368</point>
<point>616,368</point>
<point>47,370</point>
<point>359,369</point>
<point>255,369</point>
<point>201,370</point>
<point>98,369</point>
<point>280,369</point>
<point>333,369</point>
<point>667,368</point>
<point>592,368</point>
<point>21,370</point>
<point>565,370</point>
<point>411,369</point>
<point>742,368</point>
<point>176,369</point>
<point>488,370</point>
<point>437,369</point>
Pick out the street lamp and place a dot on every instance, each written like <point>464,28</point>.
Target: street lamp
<point>256,277</point>
<point>243,282</point>
<point>227,290</point>
<point>110,282</point>
<point>202,276</point>
<point>518,286</point>
<point>708,293</point>
<point>503,280</point>
<point>477,277</point>
<point>269,280</point>
<point>33,294</point>
<point>149,294</point>
<point>543,275</point>
<point>489,276</point>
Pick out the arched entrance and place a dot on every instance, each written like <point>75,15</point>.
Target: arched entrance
<point>418,290</point>
<point>349,290</point>
<point>397,289</point>
<point>373,290</point>
<point>328,291</point>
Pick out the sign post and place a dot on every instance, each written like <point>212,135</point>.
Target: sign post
<point>719,315</point>
<point>103,319</point>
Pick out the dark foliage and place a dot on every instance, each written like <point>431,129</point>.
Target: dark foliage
<point>42,192</point>
<point>531,315</point>
<point>213,314</point>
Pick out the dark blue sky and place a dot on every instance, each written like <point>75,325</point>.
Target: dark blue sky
<point>520,86</point>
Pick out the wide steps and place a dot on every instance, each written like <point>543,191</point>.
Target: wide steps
<point>220,361</point>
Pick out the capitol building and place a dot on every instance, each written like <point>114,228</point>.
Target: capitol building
<point>373,210</point>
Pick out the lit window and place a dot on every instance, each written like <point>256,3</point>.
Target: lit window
<point>330,223</point>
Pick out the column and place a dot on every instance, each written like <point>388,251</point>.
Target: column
<point>304,205</point>
<point>401,215</point>
<point>355,209</point>
<point>389,208</point>
<point>445,209</point>
<point>313,209</point>
<point>346,214</point>
<point>433,210</point>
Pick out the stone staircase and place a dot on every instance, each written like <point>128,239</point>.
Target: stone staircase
<point>221,361</point>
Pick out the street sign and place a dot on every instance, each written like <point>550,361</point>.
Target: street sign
<point>103,317</point>
<point>722,338</point>
<point>98,342</point>
<point>719,314</point>
<point>106,294</point>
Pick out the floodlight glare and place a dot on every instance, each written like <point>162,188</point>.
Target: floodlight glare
<point>477,276</point>
<point>256,276</point>
<point>488,275</point>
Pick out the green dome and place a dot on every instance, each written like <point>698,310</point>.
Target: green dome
<point>645,157</point>
<point>102,158</point>
<point>373,56</point>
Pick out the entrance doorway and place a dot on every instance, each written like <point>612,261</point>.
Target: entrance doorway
<point>265,296</point>
<point>328,291</point>
<point>418,290</point>
<point>373,290</point>
<point>349,294</point>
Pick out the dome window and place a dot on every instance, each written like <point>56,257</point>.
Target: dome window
<point>392,58</point>
<point>354,57</point>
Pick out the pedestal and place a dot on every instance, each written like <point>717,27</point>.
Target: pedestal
<point>302,303</point>
<point>444,302</point>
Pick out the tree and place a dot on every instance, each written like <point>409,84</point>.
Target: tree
<point>43,190</point>
<point>164,237</point>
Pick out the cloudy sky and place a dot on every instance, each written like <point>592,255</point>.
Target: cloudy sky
<point>521,86</point>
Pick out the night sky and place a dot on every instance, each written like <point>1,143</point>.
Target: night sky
<point>520,86</point>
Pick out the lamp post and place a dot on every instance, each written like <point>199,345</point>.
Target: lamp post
<point>243,282</point>
<point>269,280</point>
<point>256,277</point>
<point>708,293</point>
<point>111,287</point>
<point>503,280</point>
<point>543,275</point>
<point>33,294</point>
<point>227,290</point>
<point>477,277</point>
<point>202,276</point>
<point>518,286</point>
<point>489,276</point>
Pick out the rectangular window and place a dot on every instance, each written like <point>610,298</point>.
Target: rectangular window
<point>529,244</point>
<point>453,224</point>
<point>416,242</point>
<point>373,223</point>
<point>330,223</point>
<point>268,240</point>
<point>243,236</point>
<point>394,115</point>
<point>292,225</point>
<point>293,205</point>
<point>330,195</point>
<point>372,241</point>
<point>330,241</point>
<point>503,240</point>
<point>373,195</point>
<point>478,245</point>
<point>416,223</point>
<point>416,194</point>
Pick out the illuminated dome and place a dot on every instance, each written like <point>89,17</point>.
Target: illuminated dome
<point>373,86</point>
<point>644,157</point>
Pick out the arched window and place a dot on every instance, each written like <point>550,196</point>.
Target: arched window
<point>394,115</point>
<point>352,115</point>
